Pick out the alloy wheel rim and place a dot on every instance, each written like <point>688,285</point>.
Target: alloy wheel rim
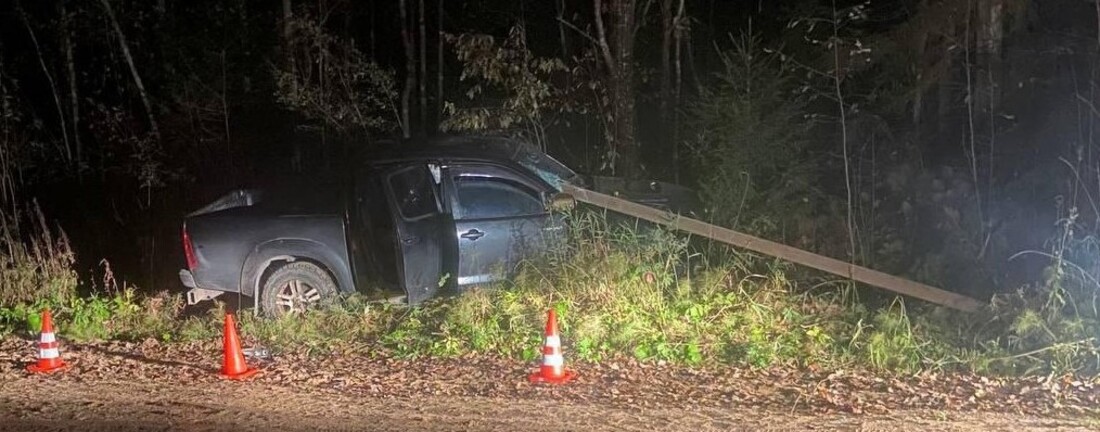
<point>296,296</point>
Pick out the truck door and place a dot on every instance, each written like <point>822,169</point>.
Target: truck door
<point>418,222</point>
<point>500,218</point>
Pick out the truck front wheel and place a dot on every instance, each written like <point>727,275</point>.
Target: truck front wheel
<point>295,288</point>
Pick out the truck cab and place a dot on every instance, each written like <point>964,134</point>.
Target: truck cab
<point>453,217</point>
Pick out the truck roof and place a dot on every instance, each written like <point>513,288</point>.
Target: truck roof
<point>488,148</point>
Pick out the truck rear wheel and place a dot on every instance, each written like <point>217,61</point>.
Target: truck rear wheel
<point>295,288</point>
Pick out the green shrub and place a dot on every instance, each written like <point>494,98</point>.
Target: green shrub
<point>751,143</point>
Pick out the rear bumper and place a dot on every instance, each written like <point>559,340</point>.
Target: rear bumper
<point>196,294</point>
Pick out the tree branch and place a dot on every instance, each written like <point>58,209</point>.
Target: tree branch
<point>53,87</point>
<point>579,31</point>
<point>133,69</point>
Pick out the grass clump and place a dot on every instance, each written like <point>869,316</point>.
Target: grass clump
<point>350,324</point>
<point>34,264</point>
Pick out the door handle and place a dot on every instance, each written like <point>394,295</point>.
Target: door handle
<point>472,234</point>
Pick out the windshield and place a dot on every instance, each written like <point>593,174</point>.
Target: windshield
<point>546,167</point>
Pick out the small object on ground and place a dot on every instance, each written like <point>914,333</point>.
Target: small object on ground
<point>257,352</point>
<point>398,300</point>
<point>553,369</point>
<point>233,364</point>
<point>49,353</point>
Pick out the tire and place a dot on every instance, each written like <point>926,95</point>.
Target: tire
<point>295,288</point>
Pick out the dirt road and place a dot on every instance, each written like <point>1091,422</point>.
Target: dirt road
<point>119,405</point>
<point>123,388</point>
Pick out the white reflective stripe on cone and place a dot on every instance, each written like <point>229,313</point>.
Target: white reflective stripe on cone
<point>553,341</point>
<point>552,360</point>
<point>49,353</point>
<point>47,338</point>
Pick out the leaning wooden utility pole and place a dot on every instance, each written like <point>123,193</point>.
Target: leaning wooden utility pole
<point>795,255</point>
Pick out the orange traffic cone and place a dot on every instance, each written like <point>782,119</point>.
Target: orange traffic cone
<point>553,369</point>
<point>49,355</point>
<point>233,364</point>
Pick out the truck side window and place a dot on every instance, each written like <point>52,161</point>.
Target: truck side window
<point>493,197</point>
<point>413,190</point>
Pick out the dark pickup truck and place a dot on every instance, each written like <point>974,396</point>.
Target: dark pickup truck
<point>416,217</point>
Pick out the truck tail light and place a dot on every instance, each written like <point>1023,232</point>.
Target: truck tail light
<point>189,250</point>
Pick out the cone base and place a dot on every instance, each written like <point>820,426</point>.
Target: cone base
<point>539,378</point>
<point>240,376</point>
<point>39,369</point>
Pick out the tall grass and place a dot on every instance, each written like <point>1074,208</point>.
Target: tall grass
<point>625,291</point>
<point>1052,325</point>
<point>37,273</point>
<point>35,263</point>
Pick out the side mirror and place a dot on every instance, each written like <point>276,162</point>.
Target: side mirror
<point>562,202</point>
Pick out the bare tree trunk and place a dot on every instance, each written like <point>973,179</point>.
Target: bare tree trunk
<point>668,27</point>
<point>410,68</point>
<point>322,74</point>
<point>944,97</point>
<point>623,87</point>
<point>439,64</point>
<point>423,70</point>
<point>561,28</point>
<point>690,57</point>
<point>288,53</point>
<point>677,88</point>
<point>133,69</point>
<point>921,46</point>
<point>619,62</point>
<point>601,34</point>
<point>372,13</point>
<point>990,39</point>
<point>53,87</point>
<point>843,135</point>
<point>225,114</point>
<point>70,66</point>
<point>971,96</point>
<point>291,67</point>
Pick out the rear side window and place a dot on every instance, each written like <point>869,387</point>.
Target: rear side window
<point>493,197</point>
<point>414,192</point>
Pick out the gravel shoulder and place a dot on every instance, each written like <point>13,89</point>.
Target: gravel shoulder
<point>156,387</point>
